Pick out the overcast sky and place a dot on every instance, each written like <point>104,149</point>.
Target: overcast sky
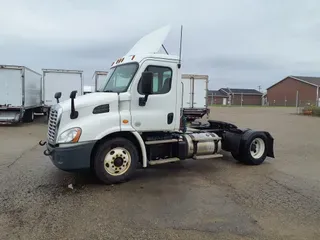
<point>239,44</point>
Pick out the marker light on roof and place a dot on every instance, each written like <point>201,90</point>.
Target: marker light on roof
<point>133,57</point>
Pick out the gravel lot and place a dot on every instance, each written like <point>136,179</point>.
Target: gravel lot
<point>208,199</point>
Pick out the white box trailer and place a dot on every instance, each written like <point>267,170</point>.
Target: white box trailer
<point>88,89</point>
<point>60,80</point>
<point>99,79</point>
<point>20,94</point>
<point>195,95</point>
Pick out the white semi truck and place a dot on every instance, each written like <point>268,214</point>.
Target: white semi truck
<point>137,120</point>
<point>60,80</point>
<point>195,95</point>
<point>20,94</point>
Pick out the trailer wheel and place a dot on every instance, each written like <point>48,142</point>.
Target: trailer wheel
<point>28,116</point>
<point>116,160</point>
<point>254,151</point>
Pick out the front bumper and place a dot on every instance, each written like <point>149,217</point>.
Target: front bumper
<point>71,158</point>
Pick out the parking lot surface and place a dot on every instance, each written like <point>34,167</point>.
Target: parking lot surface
<point>206,199</point>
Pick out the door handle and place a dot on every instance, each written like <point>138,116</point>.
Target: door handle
<point>170,118</point>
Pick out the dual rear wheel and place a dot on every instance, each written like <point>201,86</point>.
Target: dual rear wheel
<point>254,152</point>
<point>28,116</point>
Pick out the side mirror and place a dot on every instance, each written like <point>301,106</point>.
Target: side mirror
<point>74,114</point>
<point>57,96</point>
<point>73,94</point>
<point>146,87</point>
<point>147,83</point>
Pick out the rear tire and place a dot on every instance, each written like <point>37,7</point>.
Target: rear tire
<point>28,116</point>
<point>116,161</point>
<point>254,151</point>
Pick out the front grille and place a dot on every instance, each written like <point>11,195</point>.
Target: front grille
<point>52,125</point>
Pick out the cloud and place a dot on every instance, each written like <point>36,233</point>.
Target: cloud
<point>237,43</point>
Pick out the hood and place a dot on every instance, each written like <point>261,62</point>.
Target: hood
<point>92,99</point>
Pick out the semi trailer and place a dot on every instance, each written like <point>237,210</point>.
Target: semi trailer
<point>137,120</point>
<point>194,98</point>
<point>88,89</point>
<point>20,94</point>
<point>60,80</point>
<point>100,78</point>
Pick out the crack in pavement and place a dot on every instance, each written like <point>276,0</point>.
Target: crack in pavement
<point>22,154</point>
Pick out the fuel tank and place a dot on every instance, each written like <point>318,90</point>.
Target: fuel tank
<point>201,144</point>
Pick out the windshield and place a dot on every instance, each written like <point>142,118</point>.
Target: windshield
<point>119,78</point>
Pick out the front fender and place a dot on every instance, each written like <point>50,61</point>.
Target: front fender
<point>135,134</point>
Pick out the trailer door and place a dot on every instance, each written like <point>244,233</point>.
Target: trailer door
<point>186,101</point>
<point>11,87</point>
<point>200,93</point>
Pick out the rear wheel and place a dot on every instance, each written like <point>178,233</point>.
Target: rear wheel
<point>254,152</point>
<point>116,160</point>
<point>28,116</point>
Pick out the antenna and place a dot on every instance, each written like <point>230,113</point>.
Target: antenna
<point>179,64</point>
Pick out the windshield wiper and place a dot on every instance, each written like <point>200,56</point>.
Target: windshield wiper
<point>108,91</point>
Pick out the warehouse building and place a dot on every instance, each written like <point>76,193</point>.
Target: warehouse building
<point>235,96</point>
<point>294,90</point>
<point>216,97</point>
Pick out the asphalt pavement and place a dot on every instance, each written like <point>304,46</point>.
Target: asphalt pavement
<point>206,199</point>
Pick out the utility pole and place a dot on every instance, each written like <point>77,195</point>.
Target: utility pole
<point>241,99</point>
<point>259,87</point>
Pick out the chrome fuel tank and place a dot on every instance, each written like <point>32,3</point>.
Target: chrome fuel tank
<point>202,143</point>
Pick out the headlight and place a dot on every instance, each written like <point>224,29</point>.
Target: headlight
<point>70,135</point>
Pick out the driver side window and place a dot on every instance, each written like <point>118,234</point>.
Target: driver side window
<point>162,79</point>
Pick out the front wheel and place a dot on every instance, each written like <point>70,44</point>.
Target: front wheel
<point>254,151</point>
<point>116,161</point>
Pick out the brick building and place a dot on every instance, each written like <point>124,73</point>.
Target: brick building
<point>294,90</point>
<point>234,96</point>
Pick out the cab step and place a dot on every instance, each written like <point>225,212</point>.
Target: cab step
<point>161,141</point>
<point>161,161</point>
<point>207,156</point>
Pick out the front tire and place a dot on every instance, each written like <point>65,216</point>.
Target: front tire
<point>254,151</point>
<point>116,161</point>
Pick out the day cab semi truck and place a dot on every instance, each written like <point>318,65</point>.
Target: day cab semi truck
<point>137,121</point>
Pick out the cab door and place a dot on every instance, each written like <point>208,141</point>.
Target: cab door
<point>160,111</point>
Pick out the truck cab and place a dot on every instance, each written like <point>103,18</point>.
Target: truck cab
<point>136,118</point>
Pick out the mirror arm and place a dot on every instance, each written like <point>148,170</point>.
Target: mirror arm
<point>146,97</point>
<point>143,100</point>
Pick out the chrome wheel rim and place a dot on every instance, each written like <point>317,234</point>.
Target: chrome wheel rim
<point>257,148</point>
<point>117,161</point>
